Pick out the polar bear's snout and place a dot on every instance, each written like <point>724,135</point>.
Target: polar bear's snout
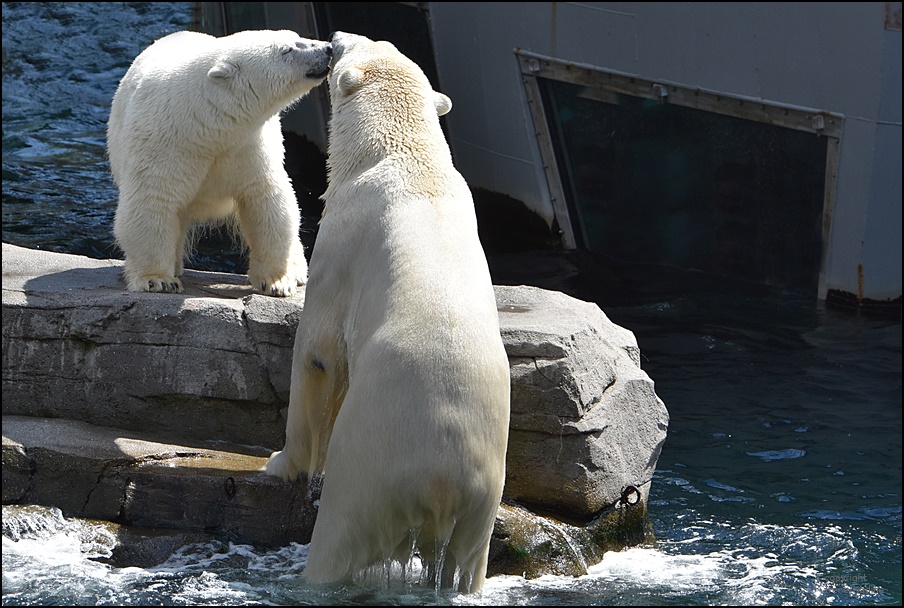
<point>324,55</point>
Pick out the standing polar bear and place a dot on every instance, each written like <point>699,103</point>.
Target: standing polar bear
<point>194,136</point>
<point>400,386</point>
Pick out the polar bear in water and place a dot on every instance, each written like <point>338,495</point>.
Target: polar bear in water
<point>400,388</point>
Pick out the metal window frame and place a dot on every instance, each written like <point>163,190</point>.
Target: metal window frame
<point>819,122</point>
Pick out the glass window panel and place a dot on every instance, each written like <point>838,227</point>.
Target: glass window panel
<point>665,184</point>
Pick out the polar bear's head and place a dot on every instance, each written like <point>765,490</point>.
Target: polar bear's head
<point>359,61</point>
<point>267,71</point>
<point>381,100</point>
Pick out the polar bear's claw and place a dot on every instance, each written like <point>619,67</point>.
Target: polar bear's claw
<point>157,284</point>
<point>282,287</point>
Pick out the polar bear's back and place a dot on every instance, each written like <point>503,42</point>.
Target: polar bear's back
<point>173,50</point>
<point>430,464</point>
<point>173,57</point>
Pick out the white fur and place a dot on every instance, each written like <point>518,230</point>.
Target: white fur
<point>194,136</point>
<point>400,386</point>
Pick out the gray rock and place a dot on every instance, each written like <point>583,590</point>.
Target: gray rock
<point>116,475</point>
<point>214,363</point>
<point>528,545</point>
<point>586,422</point>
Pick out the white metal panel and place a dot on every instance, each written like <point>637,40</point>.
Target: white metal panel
<point>840,57</point>
<point>882,234</point>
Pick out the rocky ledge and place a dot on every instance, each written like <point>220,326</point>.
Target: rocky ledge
<point>158,410</point>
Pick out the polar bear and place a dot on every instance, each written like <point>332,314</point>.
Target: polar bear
<point>194,136</point>
<point>400,387</point>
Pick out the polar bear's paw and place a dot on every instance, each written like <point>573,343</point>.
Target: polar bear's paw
<point>155,284</point>
<point>281,287</point>
<point>280,466</point>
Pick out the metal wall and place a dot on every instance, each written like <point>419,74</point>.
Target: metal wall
<point>839,57</point>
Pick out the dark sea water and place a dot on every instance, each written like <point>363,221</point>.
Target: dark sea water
<point>780,481</point>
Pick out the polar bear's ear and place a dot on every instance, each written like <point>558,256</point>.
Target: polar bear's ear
<point>442,103</point>
<point>222,70</point>
<point>349,80</point>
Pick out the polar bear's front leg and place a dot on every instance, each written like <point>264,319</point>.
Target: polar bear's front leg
<point>319,384</point>
<point>295,458</point>
<point>276,265</point>
<point>150,234</point>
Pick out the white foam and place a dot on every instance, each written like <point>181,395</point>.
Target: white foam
<point>653,567</point>
<point>747,575</point>
<point>716,563</point>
